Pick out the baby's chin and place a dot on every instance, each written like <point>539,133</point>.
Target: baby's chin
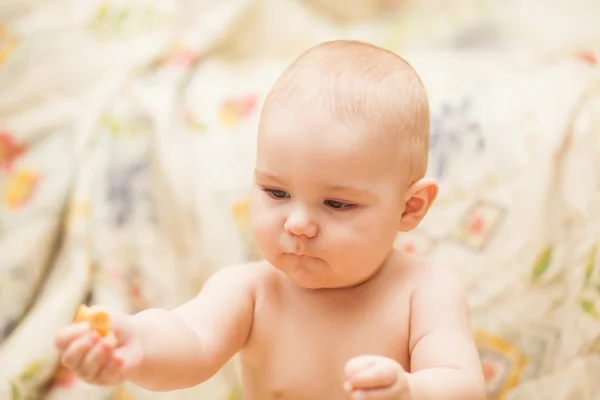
<point>313,274</point>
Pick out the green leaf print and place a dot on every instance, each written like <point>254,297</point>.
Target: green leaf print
<point>541,264</point>
<point>590,308</point>
<point>31,371</point>
<point>235,394</point>
<point>589,267</point>
<point>19,392</point>
<point>111,124</point>
<point>102,11</point>
<point>14,391</point>
<point>197,126</point>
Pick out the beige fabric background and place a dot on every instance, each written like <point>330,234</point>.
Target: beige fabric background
<point>126,149</point>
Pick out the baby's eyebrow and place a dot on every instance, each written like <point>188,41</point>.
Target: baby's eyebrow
<point>348,189</point>
<point>267,175</point>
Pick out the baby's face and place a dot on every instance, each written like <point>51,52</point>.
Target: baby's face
<point>327,198</point>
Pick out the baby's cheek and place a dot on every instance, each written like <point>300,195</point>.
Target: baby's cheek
<point>354,237</point>
<point>348,244</point>
<point>259,229</point>
<point>263,224</point>
<point>364,244</point>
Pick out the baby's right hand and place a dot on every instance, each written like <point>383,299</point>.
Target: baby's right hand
<point>99,360</point>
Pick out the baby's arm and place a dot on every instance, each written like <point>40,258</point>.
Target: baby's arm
<point>445,363</point>
<point>186,346</point>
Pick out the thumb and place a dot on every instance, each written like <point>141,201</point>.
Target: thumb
<point>360,363</point>
<point>121,327</point>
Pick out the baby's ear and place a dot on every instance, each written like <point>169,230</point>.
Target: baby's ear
<point>418,199</point>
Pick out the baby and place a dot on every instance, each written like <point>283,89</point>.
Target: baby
<point>334,311</point>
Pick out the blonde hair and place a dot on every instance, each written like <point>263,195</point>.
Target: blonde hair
<point>356,80</point>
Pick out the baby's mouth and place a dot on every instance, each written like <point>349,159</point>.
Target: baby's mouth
<point>300,255</point>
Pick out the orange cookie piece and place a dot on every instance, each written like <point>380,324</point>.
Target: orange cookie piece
<point>98,320</point>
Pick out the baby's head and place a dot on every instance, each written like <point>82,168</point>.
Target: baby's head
<point>342,155</point>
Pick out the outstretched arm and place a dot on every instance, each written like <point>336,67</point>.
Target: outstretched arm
<point>188,345</point>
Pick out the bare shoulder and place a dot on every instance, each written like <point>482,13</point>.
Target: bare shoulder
<point>432,278</point>
<point>245,272</point>
<point>425,277</point>
<point>234,284</point>
<point>233,287</point>
<point>438,301</point>
<point>246,277</point>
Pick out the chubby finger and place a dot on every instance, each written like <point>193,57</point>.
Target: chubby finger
<point>110,373</point>
<point>400,391</point>
<point>376,376</point>
<point>94,361</point>
<point>69,333</point>
<point>357,364</point>
<point>74,354</point>
<point>128,357</point>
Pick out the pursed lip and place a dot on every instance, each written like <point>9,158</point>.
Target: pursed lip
<point>300,255</point>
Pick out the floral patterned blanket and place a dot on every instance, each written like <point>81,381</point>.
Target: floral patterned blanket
<point>126,149</point>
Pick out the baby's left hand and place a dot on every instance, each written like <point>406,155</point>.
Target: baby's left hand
<point>377,378</point>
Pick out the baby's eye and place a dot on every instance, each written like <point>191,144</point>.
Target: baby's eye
<point>277,194</point>
<point>338,205</point>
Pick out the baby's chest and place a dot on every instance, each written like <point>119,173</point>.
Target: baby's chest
<point>301,350</point>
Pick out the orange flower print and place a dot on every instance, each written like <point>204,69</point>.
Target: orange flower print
<point>120,393</point>
<point>63,379</point>
<point>8,43</point>
<point>241,214</point>
<point>234,110</point>
<point>9,151</point>
<point>135,284</point>
<point>415,243</point>
<point>477,225</point>
<point>79,210</point>
<point>409,247</point>
<point>587,57</point>
<point>489,371</point>
<point>193,122</point>
<point>180,56</point>
<point>20,189</point>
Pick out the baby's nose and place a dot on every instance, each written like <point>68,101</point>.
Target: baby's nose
<point>300,223</point>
